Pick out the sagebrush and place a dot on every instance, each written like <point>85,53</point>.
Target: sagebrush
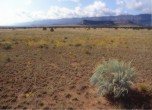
<point>113,77</point>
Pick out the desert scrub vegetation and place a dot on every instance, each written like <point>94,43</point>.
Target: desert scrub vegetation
<point>43,44</point>
<point>113,77</point>
<point>44,28</point>
<point>145,88</point>
<point>52,29</point>
<point>6,45</point>
<point>78,45</point>
<point>40,43</point>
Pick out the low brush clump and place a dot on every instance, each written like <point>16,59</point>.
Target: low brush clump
<point>43,46</point>
<point>113,78</point>
<point>6,45</point>
<point>78,45</point>
<point>52,30</point>
<point>145,88</point>
<point>44,28</point>
<point>40,43</point>
<point>88,52</point>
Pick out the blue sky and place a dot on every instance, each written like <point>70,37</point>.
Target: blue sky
<point>16,11</point>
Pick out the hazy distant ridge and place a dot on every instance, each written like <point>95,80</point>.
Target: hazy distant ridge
<point>144,20</point>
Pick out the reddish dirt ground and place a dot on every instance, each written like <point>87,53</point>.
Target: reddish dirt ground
<point>58,77</point>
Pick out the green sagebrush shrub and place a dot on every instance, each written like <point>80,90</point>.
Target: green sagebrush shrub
<point>113,77</point>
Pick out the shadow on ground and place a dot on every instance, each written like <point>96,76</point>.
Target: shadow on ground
<point>133,100</point>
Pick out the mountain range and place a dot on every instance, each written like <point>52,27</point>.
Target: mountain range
<point>144,20</point>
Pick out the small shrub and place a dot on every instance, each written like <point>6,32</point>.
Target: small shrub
<point>89,46</point>
<point>88,28</point>
<point>15,41</point>
<point>43,46</point>
<point>113,77</point>
<point>78,45</point>
<point>7,45</point>
<point>94,28</point>
<point>88,53</point>
<point>116,28</point>
<point>65,37</point>
<point>44,28</point>
<point>52,30</point>
<point>145,88</point>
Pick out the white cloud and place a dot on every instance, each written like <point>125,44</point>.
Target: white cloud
<point>120,3</point>
<point>142,6</point>
<point>28,2</point>
<point>10,18</point>
<point>96,9</point>
<point>135,5</point>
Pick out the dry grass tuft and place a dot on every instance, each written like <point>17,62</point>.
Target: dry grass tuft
<point>6,45</point>
<point>40,43</point>
<point>4,59</point>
